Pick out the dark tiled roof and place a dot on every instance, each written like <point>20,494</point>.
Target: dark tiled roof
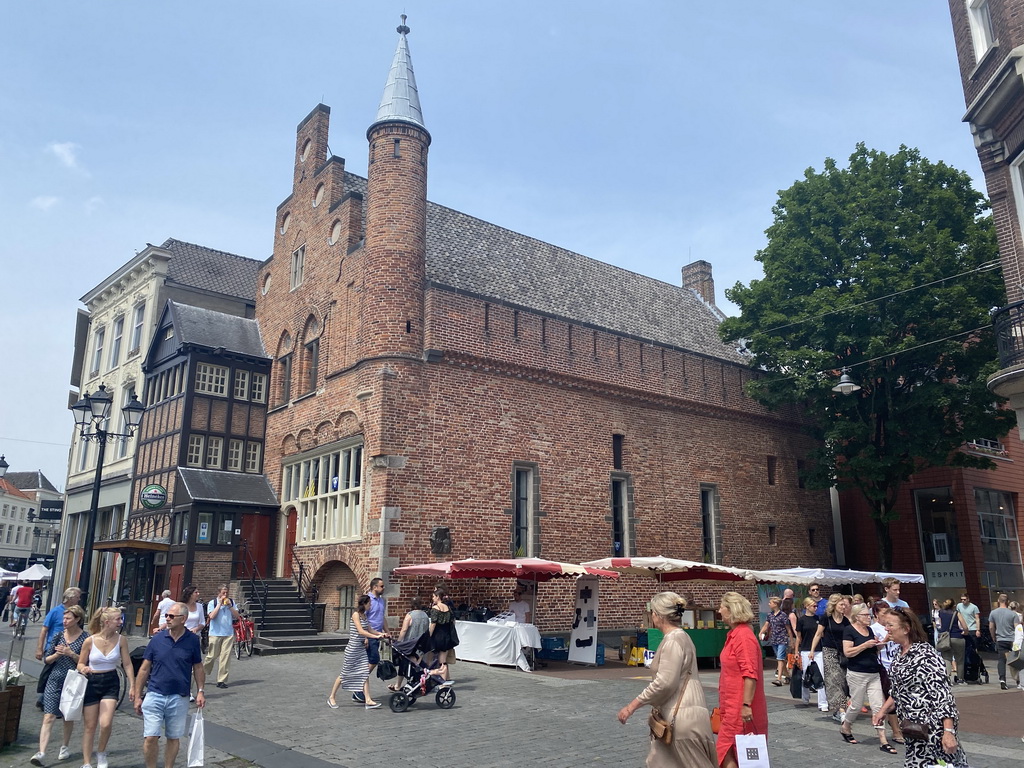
<point>211,270</point>
<point>471,255</point>
<point>213,330</point>
<point>227,487</point>
<point>30,481</point>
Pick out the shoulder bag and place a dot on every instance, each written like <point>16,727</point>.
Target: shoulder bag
<point>44,676</point>
<point>660,728</point>
<point>914,729</point>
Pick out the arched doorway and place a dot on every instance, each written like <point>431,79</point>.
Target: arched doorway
<point>339,588</point>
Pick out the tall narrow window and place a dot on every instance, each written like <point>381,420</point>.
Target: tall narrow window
<point>138,315</point>
<point>617,441</point>
<point>194,457</point>
<point>259,388</point>
<point>253,454</point>
<point>214,452</point>
<point>312,364</point>
<point>122,445</point>
<point>97,349</point>
<point>241,385</point>
<point>772,465</point>
<point>620,517</point>
<point>980,19</point>
<point>801,473</point>
<point>235,455</point>
<point>524,504</point>
<point>115,342</point>
<point>284,372</point>
<point>710,524</point>
<point>298,267</point>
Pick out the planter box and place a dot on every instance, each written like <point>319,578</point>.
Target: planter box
<point>10,712</point>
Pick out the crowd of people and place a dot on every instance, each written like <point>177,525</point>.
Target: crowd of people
<point>856,656</point>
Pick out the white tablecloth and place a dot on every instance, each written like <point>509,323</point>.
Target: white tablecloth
<point>496,644</point>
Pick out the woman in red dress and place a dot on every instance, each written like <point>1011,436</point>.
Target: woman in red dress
<point>741,682</point>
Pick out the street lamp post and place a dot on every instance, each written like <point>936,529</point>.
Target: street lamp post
<point>91,413</point>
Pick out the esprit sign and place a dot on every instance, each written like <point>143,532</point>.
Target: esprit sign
<point>153,496</point>
<point>948,574</point>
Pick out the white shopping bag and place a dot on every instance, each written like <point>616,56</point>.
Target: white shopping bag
<point>752,750</point>
<point>648,657</point>
<point>196,742</point>
<point>72,696</point>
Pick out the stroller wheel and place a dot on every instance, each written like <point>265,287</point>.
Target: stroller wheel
<point>399,702</point>
<point>445,697</point>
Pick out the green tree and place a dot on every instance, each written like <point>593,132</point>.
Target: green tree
<point>879,267</point>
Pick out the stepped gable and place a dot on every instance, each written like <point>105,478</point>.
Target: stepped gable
<point>211,330</point>
<point>212,270</point>
<point>468,254</point>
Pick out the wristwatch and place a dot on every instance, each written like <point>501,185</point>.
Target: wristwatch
<point>949,730</point>
<point>199,690</point>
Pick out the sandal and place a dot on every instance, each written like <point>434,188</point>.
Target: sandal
<point>849,738</point>
<point>898,741</point>
<point>777,682</point>
<point>888,748</point>
<point>394,688</point>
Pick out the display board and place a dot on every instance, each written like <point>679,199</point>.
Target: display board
<point>583,640</point>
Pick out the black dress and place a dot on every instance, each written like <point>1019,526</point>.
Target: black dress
<point>444,637</point>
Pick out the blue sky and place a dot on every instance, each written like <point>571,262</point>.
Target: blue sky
<point>645,134</point>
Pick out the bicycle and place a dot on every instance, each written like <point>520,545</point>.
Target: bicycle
<point>21,623</point>
<point>245,633</point>
<point>35,614</point>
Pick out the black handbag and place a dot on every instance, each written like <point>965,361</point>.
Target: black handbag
<point>913,729</point>
<point>44,676</point>
<point>386,670</point>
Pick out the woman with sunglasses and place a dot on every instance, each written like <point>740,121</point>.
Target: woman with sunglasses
<point>830,637</point>
<point>102,653</point>
<point>921,694</point>
<point>860,646</point>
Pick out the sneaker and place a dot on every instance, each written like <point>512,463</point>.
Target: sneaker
<point>839,717</point>
<point>101,760</point>
<point>1002,685</point>
<point>191,700</point>
<point>358,698</point>
<point>37,758</point>
<point>64,754</point>
<point>222,685</point>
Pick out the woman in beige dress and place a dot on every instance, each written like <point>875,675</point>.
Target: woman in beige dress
<point>675,684</point>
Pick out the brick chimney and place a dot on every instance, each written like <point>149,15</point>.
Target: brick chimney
<point>697,276</point>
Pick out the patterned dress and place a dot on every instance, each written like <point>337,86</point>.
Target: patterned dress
<point>355,667</point>
<point>921,691</point>
<point>61,667</point>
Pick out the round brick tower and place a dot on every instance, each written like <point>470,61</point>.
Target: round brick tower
<point>396,218</point>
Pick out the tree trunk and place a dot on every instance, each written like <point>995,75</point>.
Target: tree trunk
<point>884,542</point>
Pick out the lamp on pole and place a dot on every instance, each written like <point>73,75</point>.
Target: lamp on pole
<point>91,413</point>
<point>4,466</point>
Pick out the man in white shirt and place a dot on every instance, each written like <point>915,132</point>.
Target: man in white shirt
<point>520,607</point>
<point>162,607</point>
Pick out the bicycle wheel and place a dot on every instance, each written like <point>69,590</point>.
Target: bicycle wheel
<point>35,615</point>
<point>249,641</point>
<point>122,682</point>
<point>238,647</point>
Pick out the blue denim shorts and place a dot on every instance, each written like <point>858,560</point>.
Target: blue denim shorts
<point>780,651</point>
<point>373,651</point>
<point>164,715</point>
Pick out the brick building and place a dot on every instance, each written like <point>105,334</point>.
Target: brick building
<point>989,39</point>
<point>443,385</point>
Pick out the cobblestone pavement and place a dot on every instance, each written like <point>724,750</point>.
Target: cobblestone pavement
<point>275,715</point>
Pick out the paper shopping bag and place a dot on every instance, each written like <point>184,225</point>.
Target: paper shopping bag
<point>196,742</point>
<point>752,750</point>
<point>72,696</point>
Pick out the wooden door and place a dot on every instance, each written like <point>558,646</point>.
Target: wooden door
<point>289,542</point>
<point>176,581</point>
<point>256,534</point>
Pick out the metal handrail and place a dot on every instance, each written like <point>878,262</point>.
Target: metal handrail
<point>1009,329</point>
<point>308,590</point>
<point>257,586</point>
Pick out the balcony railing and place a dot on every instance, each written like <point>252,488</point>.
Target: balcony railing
<point>1009,326</point>
<point>148,526</point>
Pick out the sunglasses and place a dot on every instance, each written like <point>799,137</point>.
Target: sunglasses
<point>173,615</point>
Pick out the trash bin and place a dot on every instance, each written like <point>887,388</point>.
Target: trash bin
<point>319,609</point>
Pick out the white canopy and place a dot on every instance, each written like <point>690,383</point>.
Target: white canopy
<point>37,572</point>
<point>6,575</point>
<point>831,576</point>
<point>671,569</point>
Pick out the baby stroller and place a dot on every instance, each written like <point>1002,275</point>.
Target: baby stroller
<point>420,679</point>
<point>975,671</point>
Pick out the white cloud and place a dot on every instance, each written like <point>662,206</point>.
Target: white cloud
<point>92,204</point>
<point>66,152</point>
<point>44,202</point>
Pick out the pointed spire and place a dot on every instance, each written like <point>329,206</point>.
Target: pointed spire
<point>401,100</point>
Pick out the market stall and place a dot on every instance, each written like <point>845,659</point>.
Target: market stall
<point>501,642</point>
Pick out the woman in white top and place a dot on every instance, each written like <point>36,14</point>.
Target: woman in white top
<point>102,653</point>
<point>196,620</point>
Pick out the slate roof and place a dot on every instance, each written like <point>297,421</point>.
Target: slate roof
<point>401,99</point>
<point>472,255</point>
<point>227,487</point>
<point>211,270</point>
<point>213,330</point>
<point>30,481</point>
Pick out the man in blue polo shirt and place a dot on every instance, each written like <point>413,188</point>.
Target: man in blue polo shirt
<point>814,591</point>
<point>172,657</point>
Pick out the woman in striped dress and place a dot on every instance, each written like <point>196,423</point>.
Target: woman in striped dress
<point>355,667</point>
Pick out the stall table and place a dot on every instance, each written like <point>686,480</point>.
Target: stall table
<point>497,644</point>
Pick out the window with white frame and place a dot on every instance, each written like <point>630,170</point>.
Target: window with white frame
<point>253,454</point>
<point>710,523</point>
<point>235,455</point>
<point>525,507</point>
<point>211,379</point>
<point>97,348</point>
<point>999,542</point>
<point>83,455</point>
<point>327,493</point>
<point>126,397</point>
<point>298,267</point>
<point>138,316</point>
<point>214,452</point>
<point>194,457</point>
<point>259,388</point>
<point>979,17</point>
<point>115,342</point>
<point>241,385</point>
<point>621,515</point>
